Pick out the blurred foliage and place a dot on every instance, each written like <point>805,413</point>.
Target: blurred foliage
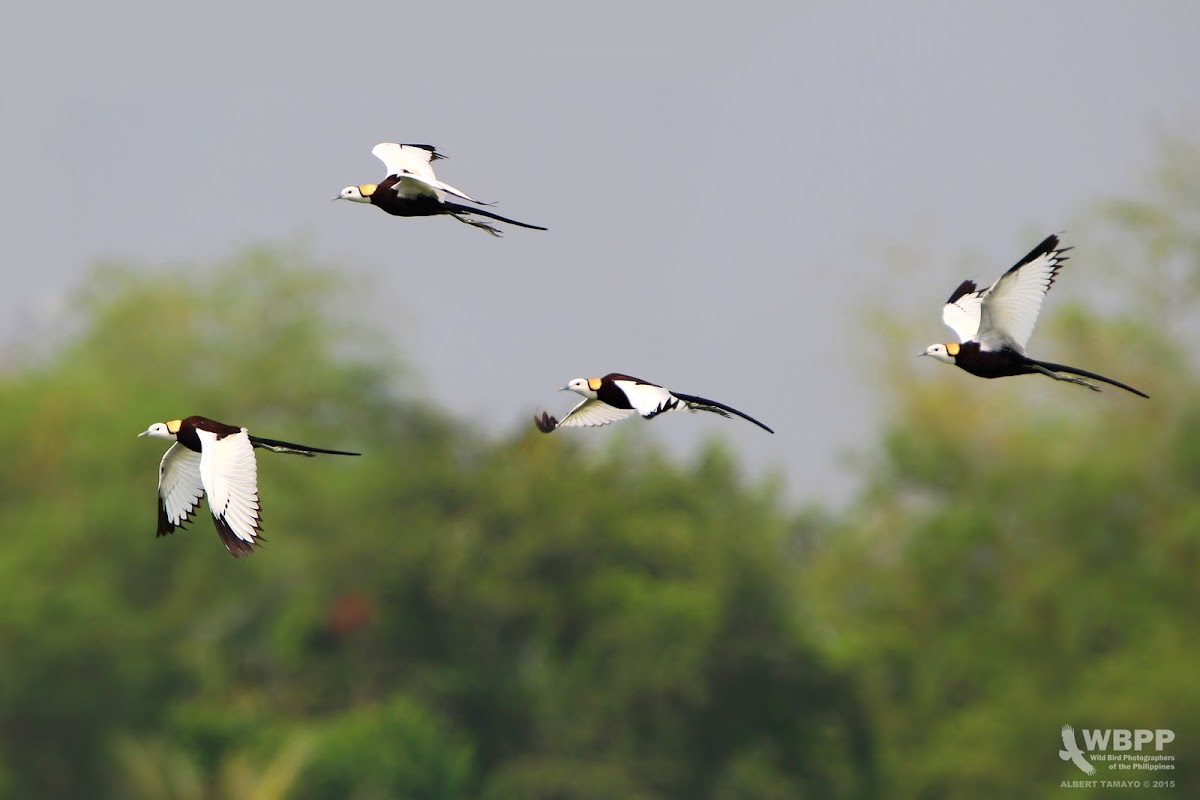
<point>445,617</point>
<point>1024,557</point>
<point>454,616</point>
<point>1151,243</point>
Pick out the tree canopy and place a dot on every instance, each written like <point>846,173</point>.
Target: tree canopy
<point>455,615</point>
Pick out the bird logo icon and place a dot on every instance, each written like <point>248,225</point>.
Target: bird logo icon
<point>1072,753</point>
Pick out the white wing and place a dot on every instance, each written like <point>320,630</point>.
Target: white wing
<point>415,186</point>
<point>406,159</point>
<point>1011,306</point>
<point>179,487</point>
<point>445,187</point>
<point>412,163</point>
<point>961,311</point>
<point>230,477</point>
<point>592,413</point>
<point>647,398</point>
<point>411,187</point>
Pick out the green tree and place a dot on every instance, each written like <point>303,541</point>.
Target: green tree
<point>448,616</point>
<point>1024,557</point>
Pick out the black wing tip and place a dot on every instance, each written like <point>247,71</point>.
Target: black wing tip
<point>237,546</point>
<point>1050,245</point>
<point>1047,247</point>
<point>166,527</point>
<point>545,423</point>
<point>240,549</point>
<point>435,155</point>
<point>965,288</point>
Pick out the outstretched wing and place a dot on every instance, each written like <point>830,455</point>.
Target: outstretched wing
<point>410,187</point>
<point>407,159</point>
<point>230,477</point>
<point>587,414</point>
<point>961,311</point>
<point>1071,751</point>
<point>411,163</point>
<point>1011,306</point>
<point>648,399</point>
<point>179,488</point>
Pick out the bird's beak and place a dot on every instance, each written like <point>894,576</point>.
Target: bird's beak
<point>565,389</point>
<point>922,354</point>
<point>143,433</point>
<point>339,197</point>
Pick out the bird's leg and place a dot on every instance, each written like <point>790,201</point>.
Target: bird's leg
<point>477,223</point>
<point>1058,377</point>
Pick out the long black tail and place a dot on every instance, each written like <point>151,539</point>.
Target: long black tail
<point>276,446</point>
<point>705,404</point>
<point>458,208</point>
<point>1084,373</point>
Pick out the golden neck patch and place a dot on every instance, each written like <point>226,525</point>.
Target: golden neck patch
<point>174,425</point>
<point>368,189</point>
<point>952,348</point>
<point>594,384</point>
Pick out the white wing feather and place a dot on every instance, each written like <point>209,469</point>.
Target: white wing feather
<point>230,477</point>
<point>179,484</point>
<point>1011,306</point>
<point>647,398</point>
<point>411,187</point>
<point>962,315</point>
<point>402,159</point>
<point>414,186</point>
<point>445,187</point>
<point>413,165</point>
<point>593,413</point>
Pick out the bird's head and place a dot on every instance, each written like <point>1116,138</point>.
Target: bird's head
<point>358,194</point>
<point>586,387</point>
<point>162,430</point>
<point>946,353</point>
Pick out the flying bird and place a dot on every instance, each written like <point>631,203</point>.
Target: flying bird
<point>215,459</point>
<point>412,190</point>
<point>994,324</point>
<point>616,396</point>
<point>1072,753</point>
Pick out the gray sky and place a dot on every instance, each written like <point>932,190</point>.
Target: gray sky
<point>722,184</point>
